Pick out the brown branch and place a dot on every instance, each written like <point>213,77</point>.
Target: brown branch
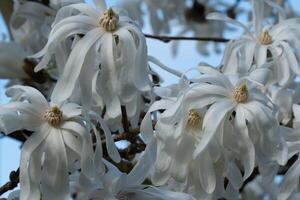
<point>125,121</point>
<point>167,39</point>
<point>21,136</point>
<point>12,183</point>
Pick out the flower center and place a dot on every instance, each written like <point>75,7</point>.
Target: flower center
<point>194,120</point>
<point>240,93</point>
<point>265,38</point>
<point>109,20</point>
<point>53,116</point>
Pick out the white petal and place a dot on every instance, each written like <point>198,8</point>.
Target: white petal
<point>291,58</point>
<point>146,125</point>
<point>110,145</point>
<point>212,120</point>
<point>141,170</point>
<point>234,175</point>
<point>18,116</point>
<point>260,54</point>
<point>258,14</point>
<point>66,82</point>
<point>29,146</point>
<point>55,183</point>
<point>86,151</point>
<point>71,110</point>
<point>206,172</point>
<point>21,93</point>
<point>247,149</point>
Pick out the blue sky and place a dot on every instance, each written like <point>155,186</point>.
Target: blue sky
<point>187,57</point>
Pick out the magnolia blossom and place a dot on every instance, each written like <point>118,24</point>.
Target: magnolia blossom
<point>204,136</point>
<point>59,139</point>
<point>178,132</point>
<point>108,63</point>
<point>216,112</point>
<point>237,101</point>
<point>259,43</point>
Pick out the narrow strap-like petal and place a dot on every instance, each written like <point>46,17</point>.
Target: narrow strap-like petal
<point>66,82</point>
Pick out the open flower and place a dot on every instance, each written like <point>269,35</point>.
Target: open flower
<point>238,102</point>
<point>178,132</point>
<point>259,43</point>
<point>58,140</point>
<point>216,117</point>
<point>112,53</point>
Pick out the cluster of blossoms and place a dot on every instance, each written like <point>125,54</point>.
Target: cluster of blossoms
<point>201,138</point>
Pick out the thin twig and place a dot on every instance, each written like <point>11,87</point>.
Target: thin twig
<point>12,183</point>
<point>167,39</point>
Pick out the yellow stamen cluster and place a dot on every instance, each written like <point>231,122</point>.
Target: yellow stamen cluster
<point>194,120</point>
<point>265,38</point>
<point>109,20</point>
<point>240,93</point>
<point>53,116</point>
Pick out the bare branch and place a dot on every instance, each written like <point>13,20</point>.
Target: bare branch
<point>12,183</point>
<point>167,39</point>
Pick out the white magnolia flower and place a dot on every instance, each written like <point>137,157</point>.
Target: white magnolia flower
<point>58,140</point>
<point>218,119</point>
<point>178,132</point>
<point>259,43</point>
<point>238,101</point>
<point>202,120</point>
<point>109,62</point>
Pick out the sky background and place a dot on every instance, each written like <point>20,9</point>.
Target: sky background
<point>186,58</point>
